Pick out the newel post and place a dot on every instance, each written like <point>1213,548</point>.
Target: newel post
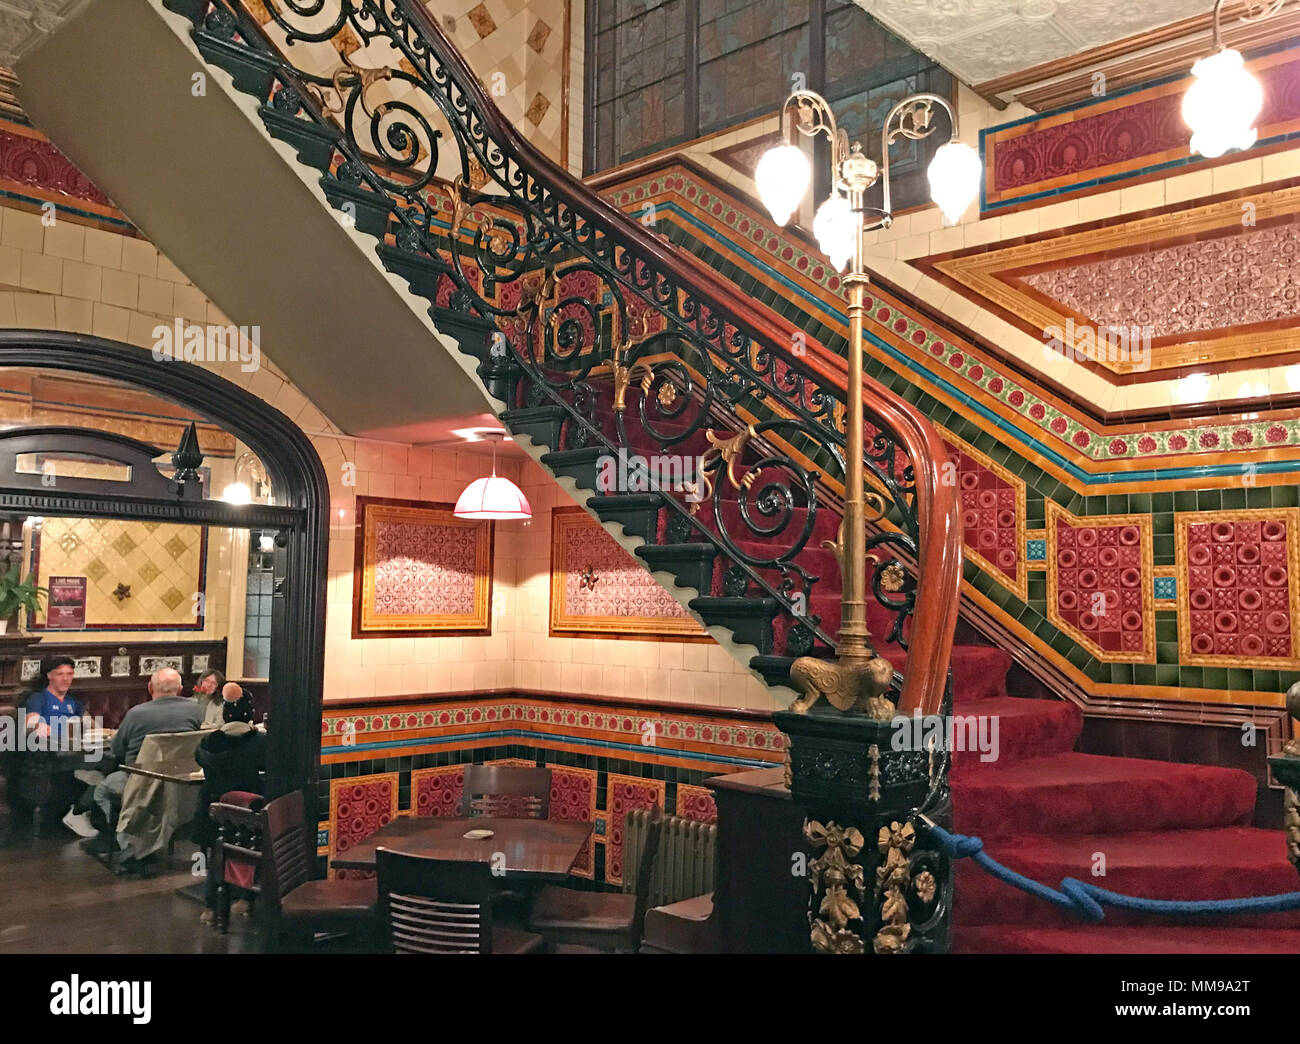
<point>876,885</point>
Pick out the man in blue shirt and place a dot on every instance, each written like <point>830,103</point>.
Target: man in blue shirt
<point>49,710</point>
<point>56,722</point>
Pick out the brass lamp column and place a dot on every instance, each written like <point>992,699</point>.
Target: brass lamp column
<point>875,884</point>
<point>855,681</point>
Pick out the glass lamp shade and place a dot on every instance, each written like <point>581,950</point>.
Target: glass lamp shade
<point>493,498</point>
<point>954,176</point>
<point>237,493</point>
<point>783,176</point>
<point>835,225</point>
<point>1221,104</point>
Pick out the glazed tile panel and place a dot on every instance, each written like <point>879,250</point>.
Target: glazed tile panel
<point>1099,588</point>
<point>1238,588</point>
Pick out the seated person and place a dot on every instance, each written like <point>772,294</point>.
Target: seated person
<point>50,715</point>
<point>166,711</point>
<point>232,758</point>
<point>207,694</point>
<point>49,710</point>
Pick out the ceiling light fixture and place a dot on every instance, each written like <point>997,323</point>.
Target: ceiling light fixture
<point>494,498</point>
<point>1225,99</point>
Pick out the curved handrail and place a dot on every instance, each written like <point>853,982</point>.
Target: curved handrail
<point>660,275</point>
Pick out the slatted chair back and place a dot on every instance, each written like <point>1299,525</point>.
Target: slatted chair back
<point>288,854</point>
<point>434,905</point>
<point>506,792</point>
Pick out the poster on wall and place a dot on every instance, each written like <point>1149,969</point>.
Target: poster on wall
<point>66,604</point>
<point>420,571</point>
<point>598,590</point>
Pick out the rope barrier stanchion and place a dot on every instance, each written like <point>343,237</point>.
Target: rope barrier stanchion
<point>1087,900</point>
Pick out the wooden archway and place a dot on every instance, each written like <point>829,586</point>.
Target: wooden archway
<point>299,515</point>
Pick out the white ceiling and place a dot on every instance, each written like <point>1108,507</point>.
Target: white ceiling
<point>979,40</point>
<point>25,23</point>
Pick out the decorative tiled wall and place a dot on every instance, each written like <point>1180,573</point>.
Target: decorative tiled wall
<point>408,758</point>
<point>1008,433</point>
<point>1127,136</point>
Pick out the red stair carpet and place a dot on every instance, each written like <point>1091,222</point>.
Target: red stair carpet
<point>1165,831</point>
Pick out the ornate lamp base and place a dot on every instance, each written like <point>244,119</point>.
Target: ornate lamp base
<point>852,686</point>
<point>875,885</point>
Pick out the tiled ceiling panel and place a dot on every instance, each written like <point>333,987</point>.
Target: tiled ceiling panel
<point>981,40</point>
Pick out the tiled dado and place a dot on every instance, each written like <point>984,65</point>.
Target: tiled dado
<point>367,783</point>
<point>684,739</point>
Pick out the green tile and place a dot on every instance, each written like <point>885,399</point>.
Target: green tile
<point>1121,674</point>
<point>1162,502</point>
<point>1167,674</point>
<point>1240,679</point>
<point>1234,498</point>
<point>1144,674</point>
<point>1192,677</point>
<point>1166,652</point>
<point>1166,626</point>
<point>1214,677</point>
<point>1162,523</point>
<point>1209,500</point>
<point>1259,497</point>
<point>1185,500</point>
<point>1117,505</point>
<point>1139,503</point>
<point>1163,549</point>
<point>1286,496</point>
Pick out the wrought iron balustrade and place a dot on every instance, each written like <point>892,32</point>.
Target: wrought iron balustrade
<point>639,346</point>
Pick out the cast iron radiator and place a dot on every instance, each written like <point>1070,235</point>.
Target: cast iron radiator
<point>685,864</point>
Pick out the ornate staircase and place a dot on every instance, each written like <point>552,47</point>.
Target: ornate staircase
<point>594,338</point>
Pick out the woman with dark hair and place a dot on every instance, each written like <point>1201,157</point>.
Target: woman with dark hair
<point>207,692</point>
<point>232,758</point>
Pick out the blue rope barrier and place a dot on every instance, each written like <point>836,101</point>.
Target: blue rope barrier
<point>1086,900</point>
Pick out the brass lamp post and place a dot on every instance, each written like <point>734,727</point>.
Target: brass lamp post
<point>854,682</point>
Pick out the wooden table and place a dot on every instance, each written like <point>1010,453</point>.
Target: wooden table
<point>532,849</point>
<point>186,772</point>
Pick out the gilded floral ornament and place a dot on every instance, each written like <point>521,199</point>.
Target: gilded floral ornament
<point>893,877</point>
<point>832,875</point>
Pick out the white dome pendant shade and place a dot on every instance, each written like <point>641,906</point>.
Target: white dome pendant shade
<point>1221,104</point>
<point>494,498</point>
<point>782,177</point>
<point>954,175</point>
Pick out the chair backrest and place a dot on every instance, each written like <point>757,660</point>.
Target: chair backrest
<point>434,905</point>
<point>288,846</point>
<point>646,865</point>
<point>506,792</point>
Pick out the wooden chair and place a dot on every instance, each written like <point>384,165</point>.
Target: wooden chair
<point>506,791</point>
<point>278,851</point>
<point>569,918</point>
<point>441,906</point>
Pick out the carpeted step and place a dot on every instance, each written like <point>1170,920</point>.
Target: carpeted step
<point>1224,863</point>
<point>1024,729</point>
<point>1102,939</point>
<point>1068,793</point>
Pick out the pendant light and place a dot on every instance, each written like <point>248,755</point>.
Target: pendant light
<point>494,498</point>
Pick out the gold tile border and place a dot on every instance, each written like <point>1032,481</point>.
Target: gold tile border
<point>1184,519</point>
<point>1021,584</point>
<point>1143,522</point>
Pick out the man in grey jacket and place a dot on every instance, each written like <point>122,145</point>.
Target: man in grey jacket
<point>166,711</point>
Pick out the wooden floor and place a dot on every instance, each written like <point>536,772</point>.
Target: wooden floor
<point>54,898</point>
